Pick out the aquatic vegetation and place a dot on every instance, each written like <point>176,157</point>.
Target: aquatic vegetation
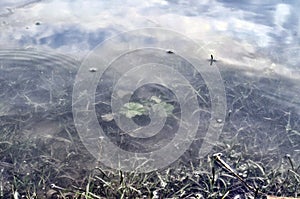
<point>133,109</point>
<point>163,109</point>
<point>47,168</point>
<point>55,164</point>
<point>155,104</point>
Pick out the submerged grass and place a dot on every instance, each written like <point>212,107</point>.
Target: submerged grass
<point>33,169</point>
<point>58,166</point>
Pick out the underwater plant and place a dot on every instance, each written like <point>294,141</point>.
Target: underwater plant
<point>155,104</point>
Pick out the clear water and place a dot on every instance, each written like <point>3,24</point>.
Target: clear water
<point>247,94</point>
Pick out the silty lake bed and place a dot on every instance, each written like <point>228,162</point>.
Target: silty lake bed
<point>255,48</point>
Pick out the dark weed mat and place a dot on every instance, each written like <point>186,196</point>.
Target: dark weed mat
<point>58,168</point>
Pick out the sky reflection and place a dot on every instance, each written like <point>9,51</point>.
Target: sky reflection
<point>260,29</point>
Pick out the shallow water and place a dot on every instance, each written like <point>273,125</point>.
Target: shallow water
<point>51,61</point>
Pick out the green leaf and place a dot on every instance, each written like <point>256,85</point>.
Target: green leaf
<point>164,109</point>
<point>133,109</point>
<point>155,99</point>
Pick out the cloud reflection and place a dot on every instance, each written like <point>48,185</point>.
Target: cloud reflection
<point>77,26</point>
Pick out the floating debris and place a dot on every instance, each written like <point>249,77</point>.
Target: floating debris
<point>229,113</point>
<point>92,70</point>
<point>107,117</point>
<point>219,120</point>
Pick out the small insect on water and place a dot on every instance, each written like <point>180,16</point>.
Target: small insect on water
<point>169,51</point>
<point>212,59</point>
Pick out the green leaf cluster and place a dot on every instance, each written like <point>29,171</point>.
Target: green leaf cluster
<point>133,109</point>
<point>155,104</point>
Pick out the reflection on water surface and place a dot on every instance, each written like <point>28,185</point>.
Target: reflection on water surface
<point>254,46</point>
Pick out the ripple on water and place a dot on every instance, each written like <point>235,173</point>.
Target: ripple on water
<point>35,81</point>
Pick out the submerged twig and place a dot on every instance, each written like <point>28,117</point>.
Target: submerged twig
<point>225,166</point>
